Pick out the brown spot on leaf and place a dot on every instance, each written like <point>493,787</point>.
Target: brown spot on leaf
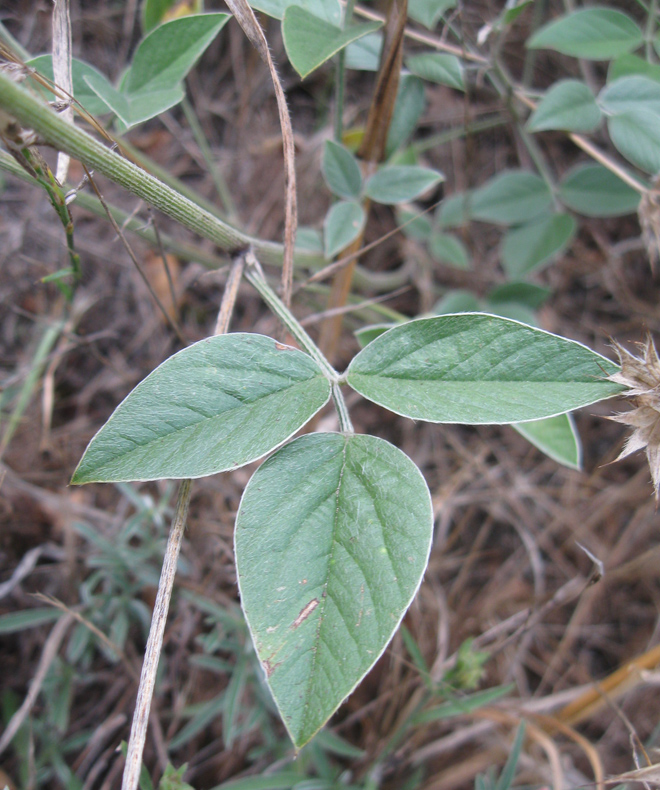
<point>305,612</point>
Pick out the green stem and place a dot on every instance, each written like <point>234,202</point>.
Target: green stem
<point>48,182</point>
<point>255,276</point>
<point>428,143</point>
<point>33,114</point>
<point>345,423</point>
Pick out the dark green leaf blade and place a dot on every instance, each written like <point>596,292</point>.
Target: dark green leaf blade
<point>475,369</point>
<point>408,108</point>
<point>512,197</point>
<point>429,12</point>
<point>332,539</point>
<point>636,135</point>
<point>214,406</point>
<point>438,67</point>
<point>81,90</point>
<point>627,94</point>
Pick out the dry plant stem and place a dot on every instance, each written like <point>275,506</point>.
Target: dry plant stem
<point>372,150</point>
<point>47,656</point>
<point>622,680</point>
<point>62,70</point>
<point>252,29</point>
<point>229,296</point>
<point>155,641</point>
<point>425,38</point>
<point>51,601</point>
<point>341,286</point>
<point>589,148</point>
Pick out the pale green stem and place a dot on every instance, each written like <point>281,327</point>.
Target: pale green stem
<point>255,276</point>
<point>345,423</point>
<point>33,114</point>
<point>91,203</point>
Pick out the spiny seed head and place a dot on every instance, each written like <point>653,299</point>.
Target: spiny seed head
<point>641,376</point>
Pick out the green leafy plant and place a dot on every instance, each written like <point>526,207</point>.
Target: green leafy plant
<point>334,529</point>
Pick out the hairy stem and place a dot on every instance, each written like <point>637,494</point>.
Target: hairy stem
<point>32,113</point>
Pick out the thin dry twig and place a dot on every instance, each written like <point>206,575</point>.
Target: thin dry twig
<point>165,585</point>
<point>252,29</point>
<point>25,567</point>
<point>155,641</point>
<point>371,151</point>
<point>62,72</point>
<point>51,601</point>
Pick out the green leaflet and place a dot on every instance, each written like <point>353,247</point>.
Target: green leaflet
<point>593,33</point>
<point>342,225</point>
<point>529,247</point>
<point>569,105</point>
<point>510,198</point>
<point>81,90</point>
<point>400,183</point>
<point>154,81</point>
<point>310,40</point>
<point>556,437</point>
<point>332,539</point>
<point>595,191</point>
<point>429,12</point>
<point>341,171</point>
<point>330,10</point>
<point>475,368</point>
<point>637,136</point>
<point>409,106</point>
<point>214,406</point>
<point>438,67</point>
